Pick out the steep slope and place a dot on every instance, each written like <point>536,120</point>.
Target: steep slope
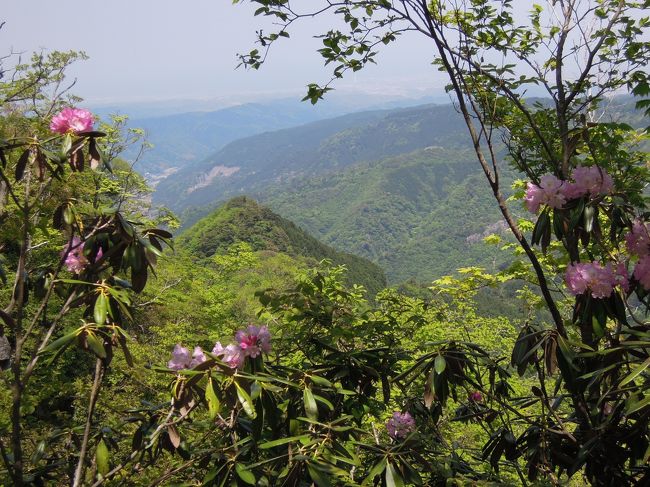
<point>253,163</point>
<point>418,215</point>
<point>242,219</point>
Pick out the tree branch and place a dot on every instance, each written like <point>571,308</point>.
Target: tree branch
<point>94,394</point>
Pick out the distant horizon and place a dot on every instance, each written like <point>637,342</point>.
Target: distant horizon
<point>156,107</point>
<point>162,51</point>
<point>254,97</point>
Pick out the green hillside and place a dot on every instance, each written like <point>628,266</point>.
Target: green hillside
<point>252,164</point>
<point>399,187</point>
<point>243,220</point>
<point>411,214</point>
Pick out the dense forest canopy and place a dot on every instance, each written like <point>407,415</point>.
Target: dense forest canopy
<point>245,352</point>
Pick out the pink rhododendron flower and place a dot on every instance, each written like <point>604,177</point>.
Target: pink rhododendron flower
<point>476,396</point>
<point>180,358</point>
<point>75,261</point>
<point>591,276</point>
<point>586,180</point>
<point>73,120</point>
<point>638,240</point>
<point>549,192</point>
<point>533,198</point>
<point>622,277</point>
<point>198,357</point>
<point>254,340</point>
<point>589,180</point>
<point>231,355</point>
<point>400,425</point>
<point>642,272</point>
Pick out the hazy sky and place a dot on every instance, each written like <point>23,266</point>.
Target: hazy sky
<point>145,50</point>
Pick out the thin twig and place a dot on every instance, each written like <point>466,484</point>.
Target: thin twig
<point>94,394</point>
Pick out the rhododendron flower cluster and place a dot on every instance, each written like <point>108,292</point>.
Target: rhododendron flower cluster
<point>75,260</point>
<point>638,244</point>
<point>600,280</point>
<point>250,343</point>
<point>589,180</point>
<point>553,192</point>
<point>181,358</point>
<point>231,355</point>
<point>549,192</point>
<point>73,120</point>
<point>400,425</point>
<point>475,396</point>
<point>638,240</point>
<point>254,340</point>
<point>622,277</point>
<point>642,272</point>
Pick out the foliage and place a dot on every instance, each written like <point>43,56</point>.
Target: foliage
<point>398,212</point>
<point>72,259</point>
<point>324,387</point>
<point>313,408</point>
<point>243,220</point>
<point>491,57</point>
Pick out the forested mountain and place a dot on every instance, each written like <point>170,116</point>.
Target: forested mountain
<point>417,215</point>
<point>180,139</point>
<point>193,129</point>
<point>244,220</point>
<point>399,187</point>
<point>251,164</point>
<point>241,350</point>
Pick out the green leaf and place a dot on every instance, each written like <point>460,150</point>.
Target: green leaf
<point>377,469</point>
<point>214,405</point>
<point>64,341</point>
<point>637,405</point>
<point>96,345</point>
<point>102,458</point>
<point>635,373</point>
<point>245,474</point>
<point>282,441</point>
<point>76,281</point>
<point>39,452</point>
<point>393,478</point>
<point>311,408</point>
<point>321,381</point>
<point>246,401</point>
<point>599,321</point>
<point>327,403</point>
<point>588,218</point>
<point>66,144</point>
<point>320,478</point>
<point>540,227</point>
<point>439,364</point>
<point>121,338</point>
<point>101,309</point>
<point>68,215</point>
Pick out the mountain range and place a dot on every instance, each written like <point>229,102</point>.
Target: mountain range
<point>179,138</point>
<point>399,187</point>
<point>251,164</point>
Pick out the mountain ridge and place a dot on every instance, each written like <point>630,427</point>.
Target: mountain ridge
<point>242,219</point>
<point>315,148</point>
